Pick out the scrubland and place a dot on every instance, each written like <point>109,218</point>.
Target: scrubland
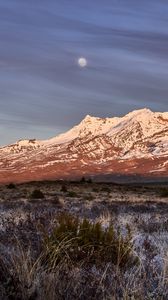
<point>83,240</point>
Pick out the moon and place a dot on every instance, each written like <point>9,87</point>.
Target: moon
<point>82,62</point>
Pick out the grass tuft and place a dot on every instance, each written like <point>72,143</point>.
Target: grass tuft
<point>83,240</point>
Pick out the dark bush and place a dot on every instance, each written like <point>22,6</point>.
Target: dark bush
<point>55,201</point>
<point>64,189</point>
<point>11,186</point>
<point>83,180</point>
<point>37,194</point>
<point>88,197</point>
<point>106,189</point>
<point>95,190</point>
<point>164,192</point>
<point>72,194</point>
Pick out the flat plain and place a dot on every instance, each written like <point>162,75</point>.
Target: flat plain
<point>30,215</point>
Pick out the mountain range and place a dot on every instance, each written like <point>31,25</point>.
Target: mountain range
<point>135,144</point>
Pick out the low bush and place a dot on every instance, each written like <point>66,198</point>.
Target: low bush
<point>164,192</point>
<point>64,189</point>
<point>83,180</point>
<point>55,201</point>
<point>78,241</point>
<point>37,194</point>
<point>11,186</point>
<point>106,189</point>
<point>72,194</point>
<point>95,190</point>
<point>88,197</point>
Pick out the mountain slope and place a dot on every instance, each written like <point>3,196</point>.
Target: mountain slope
<point>136,143</point>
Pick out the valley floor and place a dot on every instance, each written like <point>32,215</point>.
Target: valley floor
<point>29,215</point>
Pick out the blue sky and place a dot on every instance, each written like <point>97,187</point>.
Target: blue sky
<point>43,91</point>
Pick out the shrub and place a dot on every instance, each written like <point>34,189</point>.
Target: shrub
<point>95,190</point>
<point>64,189</point>
<point>83,180</point>
<point>88,197</point>
<point>37,194</point>
<point>88,242</point>
<point>106,189</point>
<point>72,194</point>
<point>56,201</point>
<point>11,186</point>
<point>164,192</point>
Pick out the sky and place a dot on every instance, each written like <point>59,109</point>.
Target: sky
<point>43,90</point>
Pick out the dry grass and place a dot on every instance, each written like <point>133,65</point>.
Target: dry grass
<point>47,253</point>
<point>30,279</point>
<point>83,241</point>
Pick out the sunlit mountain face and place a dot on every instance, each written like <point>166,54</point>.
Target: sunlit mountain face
<point>135,144</point>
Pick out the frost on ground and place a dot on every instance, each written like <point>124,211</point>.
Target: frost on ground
<point>28,217</point>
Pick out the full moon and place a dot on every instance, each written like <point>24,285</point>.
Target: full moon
<point>82,62</point>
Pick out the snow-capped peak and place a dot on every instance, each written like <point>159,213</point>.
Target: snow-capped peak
<point>96,145</point>
<point>141,123</point>
<point>142,111</point>
<point>88,118</point>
